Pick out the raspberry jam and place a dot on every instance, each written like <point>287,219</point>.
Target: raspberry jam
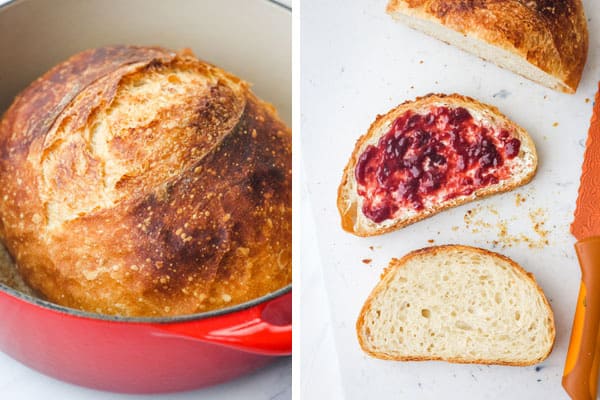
<point>430,158</point>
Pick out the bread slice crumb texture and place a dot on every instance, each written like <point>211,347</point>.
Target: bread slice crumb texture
<point>457,304</point>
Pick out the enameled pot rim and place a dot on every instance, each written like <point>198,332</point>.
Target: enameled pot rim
<point>274,2</point>
<point>145,320</point>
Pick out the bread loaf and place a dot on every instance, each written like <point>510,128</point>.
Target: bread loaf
<point>458,304</point>
<point>543,40</point>
<point>137,181</point>
<point>427,155</point>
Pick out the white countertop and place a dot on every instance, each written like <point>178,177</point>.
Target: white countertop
<point>357,63</point>
<point>320,375</point>
<point>17,382</point>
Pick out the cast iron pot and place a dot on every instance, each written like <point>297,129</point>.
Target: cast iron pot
<point>252,39</point>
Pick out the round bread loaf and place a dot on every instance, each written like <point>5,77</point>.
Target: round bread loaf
<point>137,181</point>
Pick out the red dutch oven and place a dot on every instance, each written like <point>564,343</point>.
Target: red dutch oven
<point>145,355</point>
<point>142,355</point>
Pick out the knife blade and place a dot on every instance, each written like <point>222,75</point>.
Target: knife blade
<point>580,377</point>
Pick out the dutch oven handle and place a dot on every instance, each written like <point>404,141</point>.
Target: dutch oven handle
<point>262,329</point>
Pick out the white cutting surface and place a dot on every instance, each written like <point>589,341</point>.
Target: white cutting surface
<point>357,63</point>
<point>17,382</point>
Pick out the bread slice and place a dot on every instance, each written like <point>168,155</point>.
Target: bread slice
<point>515,172</point>
<point>458,304</point>
<point>543,40</point>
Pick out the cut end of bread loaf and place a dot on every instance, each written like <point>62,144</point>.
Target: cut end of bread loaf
<point>458,304</point>
<point>517,171</point>
<point>546,43</point>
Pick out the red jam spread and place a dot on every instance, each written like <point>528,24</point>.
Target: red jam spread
<point>430,158</point>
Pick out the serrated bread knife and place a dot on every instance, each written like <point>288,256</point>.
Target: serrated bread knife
<point>580,377</point>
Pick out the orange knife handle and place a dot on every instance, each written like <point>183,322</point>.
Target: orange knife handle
<point>580,378</point>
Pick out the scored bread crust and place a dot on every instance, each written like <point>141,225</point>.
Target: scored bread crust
<point>551,35</point>
<point>137,181</point>
<point>349,202</point>
<point>388,274</point>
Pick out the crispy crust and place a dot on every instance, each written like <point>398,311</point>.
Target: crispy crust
<point>388,275</point>
<point>347,201</point>
<point>198,216</point>
<point>550,34</point>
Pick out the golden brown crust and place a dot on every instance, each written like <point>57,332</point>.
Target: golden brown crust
<point>185,212</point>
<point>550,34</point>
<point>387,276</point>
<point>349,213</point>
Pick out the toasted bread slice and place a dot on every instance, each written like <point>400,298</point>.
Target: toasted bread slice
<point>544,41</point>
<point>359,211</point>
<point>458,304</point>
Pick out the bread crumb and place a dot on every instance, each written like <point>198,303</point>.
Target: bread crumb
<point>200,296</point>
<point>36,218</point>
<point>538,219</point>
<point>507,234</point>
<point>431,241</point>
<point>587,100</point>
<point>555,124</point>
<point>372,248</point>
<point>367,261</point>
<point>243,251</point>
<point>90,275</point>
